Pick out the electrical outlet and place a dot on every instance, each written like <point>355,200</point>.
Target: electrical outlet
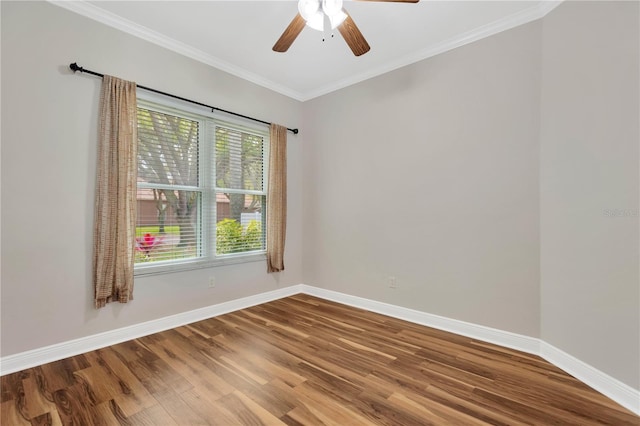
<point>392,282</point>
<point>212,282</point>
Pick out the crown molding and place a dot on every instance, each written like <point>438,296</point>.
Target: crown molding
<point>531,14</point>
<point>91,11</point>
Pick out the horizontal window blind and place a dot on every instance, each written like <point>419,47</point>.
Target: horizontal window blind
<point>169,195</point>
<point>240,191</point>
<point>201,188</point>
<point>168,149</point>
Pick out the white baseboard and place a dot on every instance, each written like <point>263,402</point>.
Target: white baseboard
<point>619,392</point>
<point>12,363</point>
<point>491,335</point>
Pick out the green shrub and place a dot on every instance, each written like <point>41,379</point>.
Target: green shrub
<point>253,236</point>
<point>231,238</point>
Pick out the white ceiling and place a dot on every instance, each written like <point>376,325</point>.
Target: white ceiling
<point>237,36</point>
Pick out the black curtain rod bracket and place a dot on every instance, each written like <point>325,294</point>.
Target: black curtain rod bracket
<point>75,67</point>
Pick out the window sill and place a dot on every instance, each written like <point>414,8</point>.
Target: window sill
<point>142,270</point>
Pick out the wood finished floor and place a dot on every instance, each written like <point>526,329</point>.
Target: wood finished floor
<point>303,360</point>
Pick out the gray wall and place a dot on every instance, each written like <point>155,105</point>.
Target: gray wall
<point>430,174</point>
<point>49,132</point>
<point>588,175</point>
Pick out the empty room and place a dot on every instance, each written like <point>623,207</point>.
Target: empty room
<point>317,212</point>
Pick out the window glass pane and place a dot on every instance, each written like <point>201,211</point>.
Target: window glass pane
<point>167,149</point>
<point>239,223</point>
<point>238,159</point>
<point>167,225</point>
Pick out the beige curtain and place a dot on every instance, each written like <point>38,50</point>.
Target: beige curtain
<point>115,207</point>
<point>277,198</point>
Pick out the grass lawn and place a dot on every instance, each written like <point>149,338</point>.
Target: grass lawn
<point>167,250</point>
<point>155,230</point>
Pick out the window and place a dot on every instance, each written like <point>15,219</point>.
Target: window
<point>201,192</point>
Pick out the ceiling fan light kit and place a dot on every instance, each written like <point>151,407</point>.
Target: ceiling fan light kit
<point>315,11</point>
<point>326,15</point>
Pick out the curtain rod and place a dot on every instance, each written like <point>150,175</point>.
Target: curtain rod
<point>75,67</point>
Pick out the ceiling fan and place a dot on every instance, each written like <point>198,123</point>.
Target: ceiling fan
<point>326,15</point>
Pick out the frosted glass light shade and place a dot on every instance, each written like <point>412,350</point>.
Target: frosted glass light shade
<point>332,7</point>
<point>337,19</point>
<point>314,11</point>
<point>308,8</point>
<point>316,21</point>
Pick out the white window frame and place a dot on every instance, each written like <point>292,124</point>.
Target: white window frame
<point>207,216</point>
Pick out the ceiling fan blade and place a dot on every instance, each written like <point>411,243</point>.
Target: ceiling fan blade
<point>353,36</point>
<point>290,33</point>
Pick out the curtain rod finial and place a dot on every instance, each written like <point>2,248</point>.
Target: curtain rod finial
<point>295,131</point>
<point>74,67</point>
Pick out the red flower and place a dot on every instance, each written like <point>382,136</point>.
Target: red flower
<point>147,243</point>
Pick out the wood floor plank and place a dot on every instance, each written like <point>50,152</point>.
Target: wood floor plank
<point>110,413</point>
<point>264,416</point>
<point>6,387</point>
<point>381,411</point>
<point>152,416</point>
<point>276,396</point>
<point>10,415</point>
<point>36,405</point>
<point>189,368</point>
<point>467,404</point>
<point>302,360</point>
<point>47,419</point>
<point>134,396</point>
<point>179,409</point>
<point>302,415</point>
<point>246,411</point>
<point>17,400</point>
<point>101,384</point>
<point>208,408</point>
<point>76,405</point>
<point>328,411</point>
